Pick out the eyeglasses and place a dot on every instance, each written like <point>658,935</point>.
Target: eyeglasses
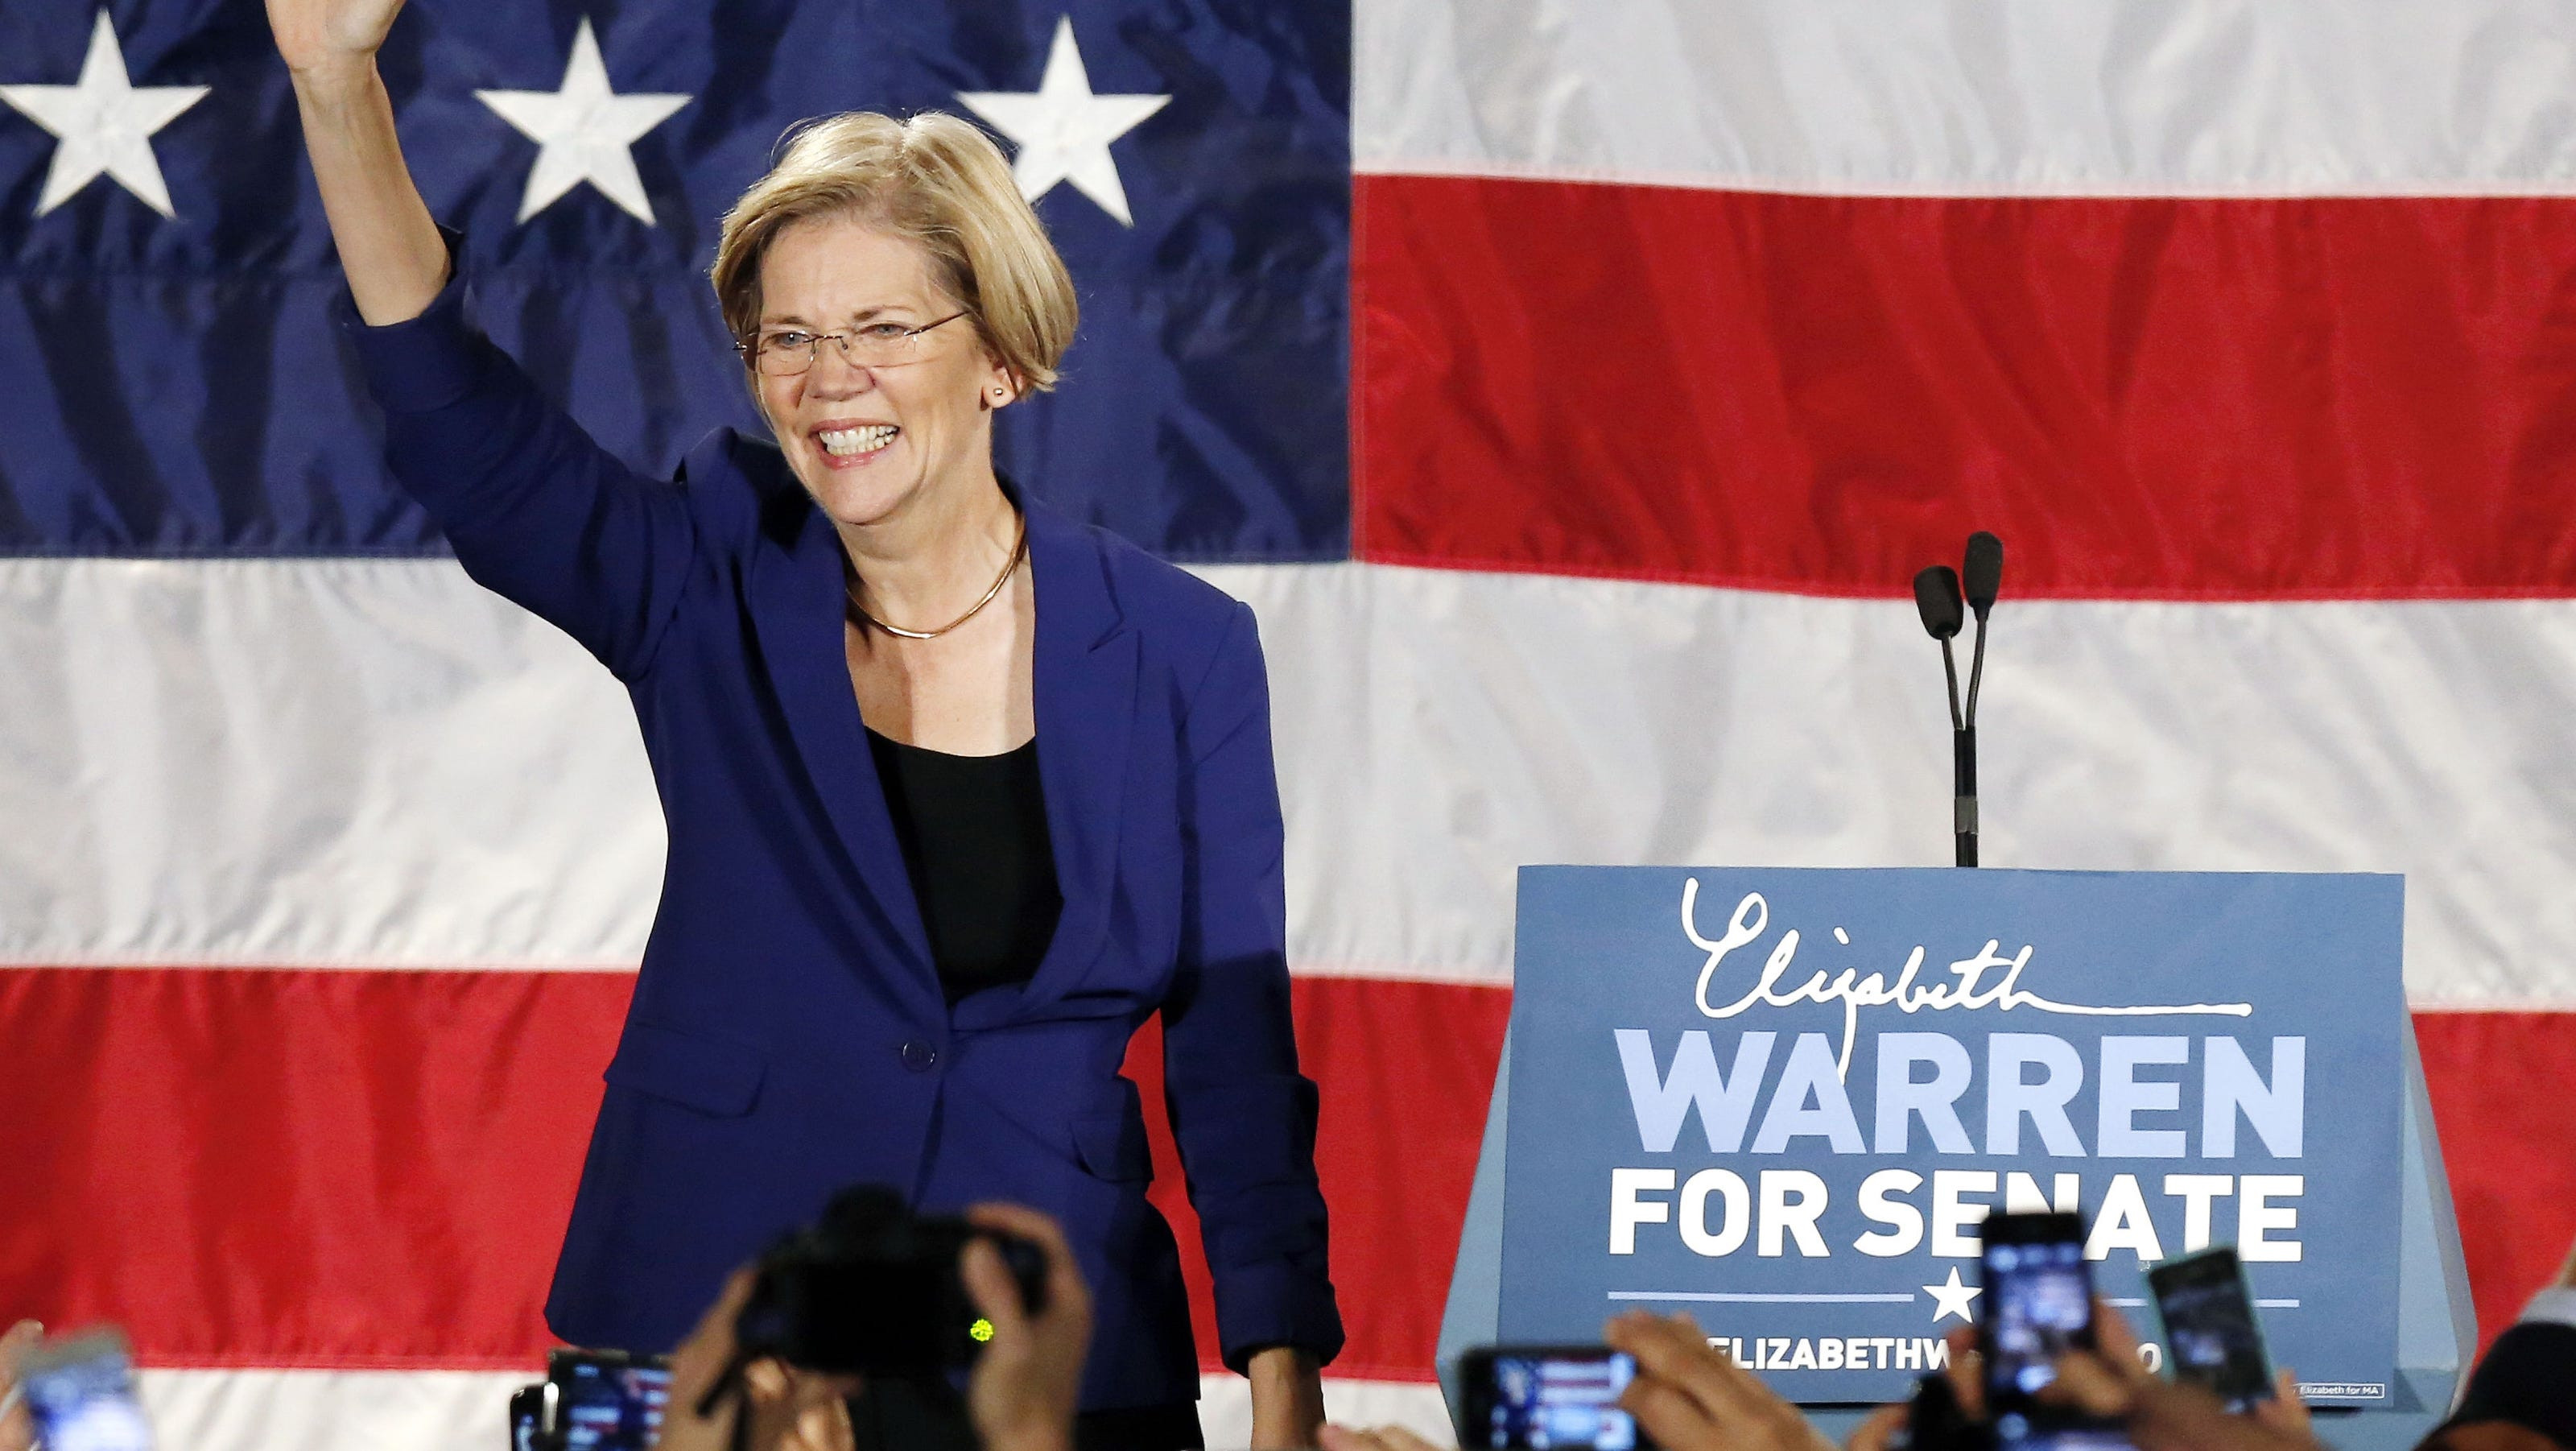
<point>787,352</point>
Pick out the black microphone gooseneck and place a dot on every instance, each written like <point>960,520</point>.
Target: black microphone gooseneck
<point>1936,600</point>
<point>1981,578</point>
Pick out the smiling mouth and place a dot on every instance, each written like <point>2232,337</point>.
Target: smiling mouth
<point>856,442</point>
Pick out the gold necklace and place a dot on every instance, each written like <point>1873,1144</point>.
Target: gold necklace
<point>1019,551</point>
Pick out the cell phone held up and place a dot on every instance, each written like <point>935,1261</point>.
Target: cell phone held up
<point>592,1400</point>
<point>1514,1396</point>
<point>2038,1306</point>
<point>80,1393</point>
<point>2213,1339</point>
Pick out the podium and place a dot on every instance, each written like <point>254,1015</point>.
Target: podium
<point>1723,1107</point>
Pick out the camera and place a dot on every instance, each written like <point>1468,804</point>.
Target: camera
<point>873,1290</point>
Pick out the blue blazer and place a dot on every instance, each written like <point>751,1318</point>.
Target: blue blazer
<point>789,1034</point>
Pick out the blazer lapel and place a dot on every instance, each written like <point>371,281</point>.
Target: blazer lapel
<point>1086,707</point>
<point>796,590</point>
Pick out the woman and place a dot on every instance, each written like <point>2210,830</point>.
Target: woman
<point>959,792</point>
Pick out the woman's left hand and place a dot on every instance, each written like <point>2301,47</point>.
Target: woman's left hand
<point>1287,1398</point>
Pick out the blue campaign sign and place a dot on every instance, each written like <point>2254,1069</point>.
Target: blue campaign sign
<point>1782,1099</point>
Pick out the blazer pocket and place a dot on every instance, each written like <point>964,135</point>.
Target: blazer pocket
<point>707,1074</point>
<point>1112,1147</point>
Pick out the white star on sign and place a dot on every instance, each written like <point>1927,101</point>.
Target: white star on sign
<point>582,130</point>
<point>1063,130</point>
<point>1952,1298</point>
<point>104,124</point>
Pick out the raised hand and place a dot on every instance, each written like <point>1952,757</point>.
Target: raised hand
<point>318,37</point>
<point>2111,1383</point>
<point>389,246</point>
<point>1690,1397</point>
<point>1028,1383</point>
<point>17,1424</point>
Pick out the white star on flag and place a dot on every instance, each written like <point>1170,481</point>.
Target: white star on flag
<point>1063,130</point>
<point>582,130</point>
<point>103,123</point>
<point>1952,1298</point>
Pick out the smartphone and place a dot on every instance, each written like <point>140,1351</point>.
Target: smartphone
<point>80,1392</point>
<point>1548,1396</point>
<point>606,1400</point>
<point>2038,1306</point>
<point>2212,1336</point>
<point>528,1417</point>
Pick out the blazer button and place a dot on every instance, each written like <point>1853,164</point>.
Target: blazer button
<point>918,1056</point>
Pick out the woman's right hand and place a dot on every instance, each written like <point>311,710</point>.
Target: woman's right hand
<point>327,37</point>
<point>389,247</point>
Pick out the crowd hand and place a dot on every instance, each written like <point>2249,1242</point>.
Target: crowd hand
<point>2112,1384</point>
<point>1027,1385</point>
<point>1964,1370</point>
<point>1691,1397</point>
<point>790,1409</point>
<point>18,1425</point>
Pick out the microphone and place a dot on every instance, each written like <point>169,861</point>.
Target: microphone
<point>1983,574</point>
<point>1983,571</point>
<point>1936,599</point>
<point>1939,595</point>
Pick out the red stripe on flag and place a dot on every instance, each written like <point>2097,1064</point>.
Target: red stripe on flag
<point>291,1168</point>
<point>2144,397</point>
<point>2499,1083</point>
<point>372,1169</point>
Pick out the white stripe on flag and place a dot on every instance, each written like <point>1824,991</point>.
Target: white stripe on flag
<point>2201,97</point>
<point>330,1410</point>
<point>374,763</point>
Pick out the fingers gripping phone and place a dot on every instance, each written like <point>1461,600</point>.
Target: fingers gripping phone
<point>2038,1306</point>
<point>2212,1336</point>
<point>81,1395</point>
<point>1548,1396</point>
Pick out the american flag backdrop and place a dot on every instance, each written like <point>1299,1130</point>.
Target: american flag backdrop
<point>1572,387</point>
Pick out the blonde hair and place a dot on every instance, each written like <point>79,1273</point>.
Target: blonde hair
<point>937,182</point>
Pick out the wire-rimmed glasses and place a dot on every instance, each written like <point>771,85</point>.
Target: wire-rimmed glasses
<point>786,352</point>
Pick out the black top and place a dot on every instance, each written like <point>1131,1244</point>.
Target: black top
<point>974,834</point>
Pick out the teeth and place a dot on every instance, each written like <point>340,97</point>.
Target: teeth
<point>845,442</point>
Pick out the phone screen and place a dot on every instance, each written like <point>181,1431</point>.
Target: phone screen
<point>2211,1333</point>
<point>1552,1398</point>
<point>2039,1305</point>
<point>608,1403</point>
<point>82,1398</point>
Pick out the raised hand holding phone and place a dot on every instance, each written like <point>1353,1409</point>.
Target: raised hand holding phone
<point>2039,1309</point>
<point>2213,1338</point>
<point>2111,1382</point>
<point>79,1394</point>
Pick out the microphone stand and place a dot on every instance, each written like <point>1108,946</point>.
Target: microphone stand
<point>1981,576</point>
<point>1963,748</point>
